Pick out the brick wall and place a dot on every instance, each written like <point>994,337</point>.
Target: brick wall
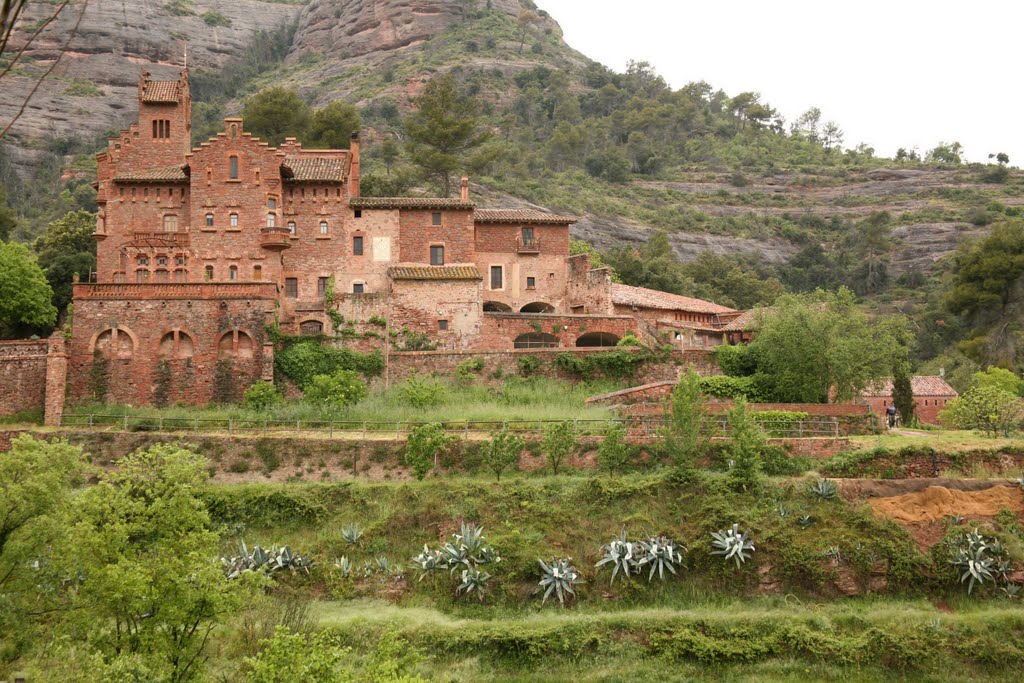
<point>497,245</point>
<point>455,233</point>
<point>500,330</point>
<point>154,348</point>
<point>418,305</point>
<point>22,375</point>
<point>926,408</point>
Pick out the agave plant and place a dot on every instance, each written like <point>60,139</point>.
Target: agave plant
<point>956,520</point>
<point>805,521</point>
<point>977,560</point>
<point>783,512</point>
<point>833,553</point>
<point>351,534</point>
<point>1020,481</point>
<point>456,557</point>
<point>429,561</point>
<point>824,489</point>
<point>1011,590</point>
<point>344,566</point>
<point>659,554</point>
<point>367,570</point>
<point>487,555</point>
<point>471,536</point>
<point>473,580</point>
<point>559,577</point>
<point>619,554</point>
<point>383,564</point>
<point>261,559</point>
<point>732,544</point>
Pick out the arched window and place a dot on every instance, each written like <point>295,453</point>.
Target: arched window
<point>233,220</point>
<point>257,272</point>
<point>591,339</point>
<point>496,307</point>
<point>537,307</point>
<point>235,344</point>
<point>323,227</point>
<point>209,220</point>
<point>114,343</point>
<point>141,276</point>
<point>209,272</point>
<point>233,273</point>
<point>535,340</point>
<point>311,327</point>
<point>176,345</point>
<point>162,275</point>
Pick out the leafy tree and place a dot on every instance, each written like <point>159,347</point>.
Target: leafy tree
<point>831,136</point>
<point>811,268</point>
<point>987,291</point>
<point>332,126</point>
<point>615,452</point>
<point>903,391</point>
<point>809,345</point>
<point>443,131</point>
<point>989,409</point>
<point>36,478</point>
<point>945,153</point>
<point>745,447</point>
<point>502,452</point>
<point>425,443</point>
<point>143,546</point>
<point>653,265</point>
<point>727,281</point>
<point>341,389</point>
<point>688,433</point>
<point>67,248</point>
<point>25,295</point>
<point>389,153</point>
<point>559,441</point>
<point>276,113</point>
<point>313,657</point>
<point>872,244</point>
<point>609,164</point>
<point>999,378</point>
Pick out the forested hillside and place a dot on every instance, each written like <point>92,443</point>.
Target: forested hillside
<point>692,190</point>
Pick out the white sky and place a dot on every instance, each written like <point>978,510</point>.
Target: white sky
<point>892,74</point>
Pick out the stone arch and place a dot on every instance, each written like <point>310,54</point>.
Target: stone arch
<point>496,307</point>
<point>592,339</point>
<point>114,342</point>
<point>235,344</point>
<point>176,344</point>
<point>311,327</point>
<point>537,307</point>
<point>535,340</point>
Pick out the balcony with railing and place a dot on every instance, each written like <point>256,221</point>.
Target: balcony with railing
<point>275,238</point>
<point>162,238</point>
<point>528,246</point>
<point>176,290</point>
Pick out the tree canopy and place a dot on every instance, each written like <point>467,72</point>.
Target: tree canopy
<point>67,248</point>
<point>277,113</point>
<point>25,296</point>
<point>332,126</point>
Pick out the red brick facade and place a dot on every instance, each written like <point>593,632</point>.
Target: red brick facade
<point>201,247</point>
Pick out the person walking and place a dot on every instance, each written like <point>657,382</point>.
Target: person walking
<point>890,414</point>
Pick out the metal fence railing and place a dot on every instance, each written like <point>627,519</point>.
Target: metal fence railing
<point>638,427</point>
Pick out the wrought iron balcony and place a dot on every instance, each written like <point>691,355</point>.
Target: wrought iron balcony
<point>528,246</point>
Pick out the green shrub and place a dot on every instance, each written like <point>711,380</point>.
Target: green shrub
<point>615,453</point>
<point>425,444</point>
<point>343,388</point>
<point>302,360</point>
<point>261,396</point>
<point>725,386</point>
<point>528,365</point>
<point>779,423</point>
<point>735,360</point>
<point>214,18</point>
<point>502,452</point>
<point>423,392</point>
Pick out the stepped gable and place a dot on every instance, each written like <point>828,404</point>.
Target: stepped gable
<point>641,297</point>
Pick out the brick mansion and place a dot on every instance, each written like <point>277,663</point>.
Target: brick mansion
<point>201,249</point>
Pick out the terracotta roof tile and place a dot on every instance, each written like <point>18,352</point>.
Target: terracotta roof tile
<point>641,297</point>
<point>434,273</point>
<point>162,174</point>
<point>520,216</point>
<point>920,385</point>
<point>161,92</point>
<point>745,321</point>
<point>409,203</point>
<point>314,169</point>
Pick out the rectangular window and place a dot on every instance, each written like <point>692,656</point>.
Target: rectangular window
<point>527,235</point>
<point>358,288</point>
<point>321,286</point>
<point>323,227</point>
<point>233,168</point>
<point>291,287</point>
<point>209,272</point>
<point>437,256</point>
<point>435,218</point>
<point>357,245</point>
<point>291,227</point>
<point>257,273</point>
<point>531,283</point>
<point>442,325</point>
<point>358,213</point>
<point>495,277</point>
<point>209,220</point>
<point>234,220</point>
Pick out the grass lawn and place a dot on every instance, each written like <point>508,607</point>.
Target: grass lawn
<point>939,439</point>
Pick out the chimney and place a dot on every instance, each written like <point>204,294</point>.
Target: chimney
<point>942,372</point>
<point>143,79</point>
<point>464,190</point>
<point>353,174</point>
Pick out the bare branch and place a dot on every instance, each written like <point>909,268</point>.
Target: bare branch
<point>31,38</point>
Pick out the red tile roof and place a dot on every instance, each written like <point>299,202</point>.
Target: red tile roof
<point>161,92</point>
<point>162,174</point>
<point>745,321</point>
<point>520,216</point>
<point>409,203</point>
<point>434,273</point>
<point>641,297</point>
<point>920,385</point>
<point>310,169</point>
